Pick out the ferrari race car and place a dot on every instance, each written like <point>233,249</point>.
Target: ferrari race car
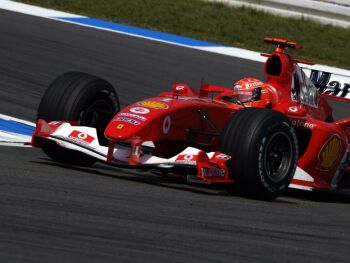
<point>260,137</point>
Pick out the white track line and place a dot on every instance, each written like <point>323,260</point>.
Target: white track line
<point>9,118</point>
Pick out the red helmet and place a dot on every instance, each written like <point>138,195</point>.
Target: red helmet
<point>249,90</point>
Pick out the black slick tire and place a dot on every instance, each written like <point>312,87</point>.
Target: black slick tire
<point>82,98</point>
<point>264,150</point>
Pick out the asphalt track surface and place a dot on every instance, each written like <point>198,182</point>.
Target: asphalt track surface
<point>50,212</point>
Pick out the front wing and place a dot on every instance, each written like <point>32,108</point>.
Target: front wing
<point>208,167</point>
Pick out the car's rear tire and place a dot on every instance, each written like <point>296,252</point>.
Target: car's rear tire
<point>82,98</point>
<point>264,151</point>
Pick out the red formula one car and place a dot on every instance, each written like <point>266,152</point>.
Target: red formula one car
<point>259,136</point>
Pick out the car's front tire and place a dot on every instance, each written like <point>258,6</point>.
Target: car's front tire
<point>82,98</point>
<point>264,151</point>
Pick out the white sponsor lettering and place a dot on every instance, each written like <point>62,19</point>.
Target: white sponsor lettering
<point>128,120</point>
<point>133,116</point>
<point>213,172</point>
<point>140,110</point>
<point>253,84</point>
<point>180,87</point>
<point>302,124</point>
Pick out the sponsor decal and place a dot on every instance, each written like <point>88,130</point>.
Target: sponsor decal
<point>153,104</point>
<point>293,109</point>
<point>330,153</point>
<point>128,120</point>
<point>81,137</point>
<point>253,84</point>
<point>167,99</point>
<point>132,115</point>
<point>120,126</point>
<point>331,84</point>
<point>302,124</point>
<point>139,110</point>
<point>166,124</point>
<point>186,158</point>
<point>247,83</point>
<point>180,87</point>
<point>213,172</point>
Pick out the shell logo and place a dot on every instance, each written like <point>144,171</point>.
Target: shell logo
<point>154,104</point>
<point>330,153</point>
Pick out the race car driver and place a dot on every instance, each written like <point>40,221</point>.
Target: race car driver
<point>251,92</point>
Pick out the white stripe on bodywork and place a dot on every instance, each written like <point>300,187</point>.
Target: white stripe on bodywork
<point>301,187</point>
<point>300,174</point>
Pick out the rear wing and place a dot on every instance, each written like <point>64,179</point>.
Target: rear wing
<point>330,85</point>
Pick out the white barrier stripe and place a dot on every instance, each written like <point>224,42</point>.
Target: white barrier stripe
<point>300,13</point>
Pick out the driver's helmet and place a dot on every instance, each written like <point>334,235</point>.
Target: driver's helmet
<point>248,90</point>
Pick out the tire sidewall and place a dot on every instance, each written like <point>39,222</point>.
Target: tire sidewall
<point>284,128</point>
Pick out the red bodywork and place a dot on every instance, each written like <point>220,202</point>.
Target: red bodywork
<point>184,117</point>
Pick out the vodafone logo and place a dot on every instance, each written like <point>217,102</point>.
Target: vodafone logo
<point>293,109</point>
<point>139,110</point>
<point>81,137</point>
<point>186,158</point>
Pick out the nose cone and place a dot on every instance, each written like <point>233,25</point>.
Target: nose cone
<point>137,120</point>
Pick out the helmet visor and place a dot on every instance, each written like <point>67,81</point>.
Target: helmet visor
<point>243,96</point>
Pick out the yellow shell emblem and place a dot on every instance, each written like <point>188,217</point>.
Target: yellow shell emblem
<point>330,153</point>
<point>154,104</point>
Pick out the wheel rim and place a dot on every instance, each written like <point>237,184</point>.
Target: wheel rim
<point>98,115</point>
<point>278,157</point>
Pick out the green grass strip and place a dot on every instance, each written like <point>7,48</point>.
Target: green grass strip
<point>216,22</point>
